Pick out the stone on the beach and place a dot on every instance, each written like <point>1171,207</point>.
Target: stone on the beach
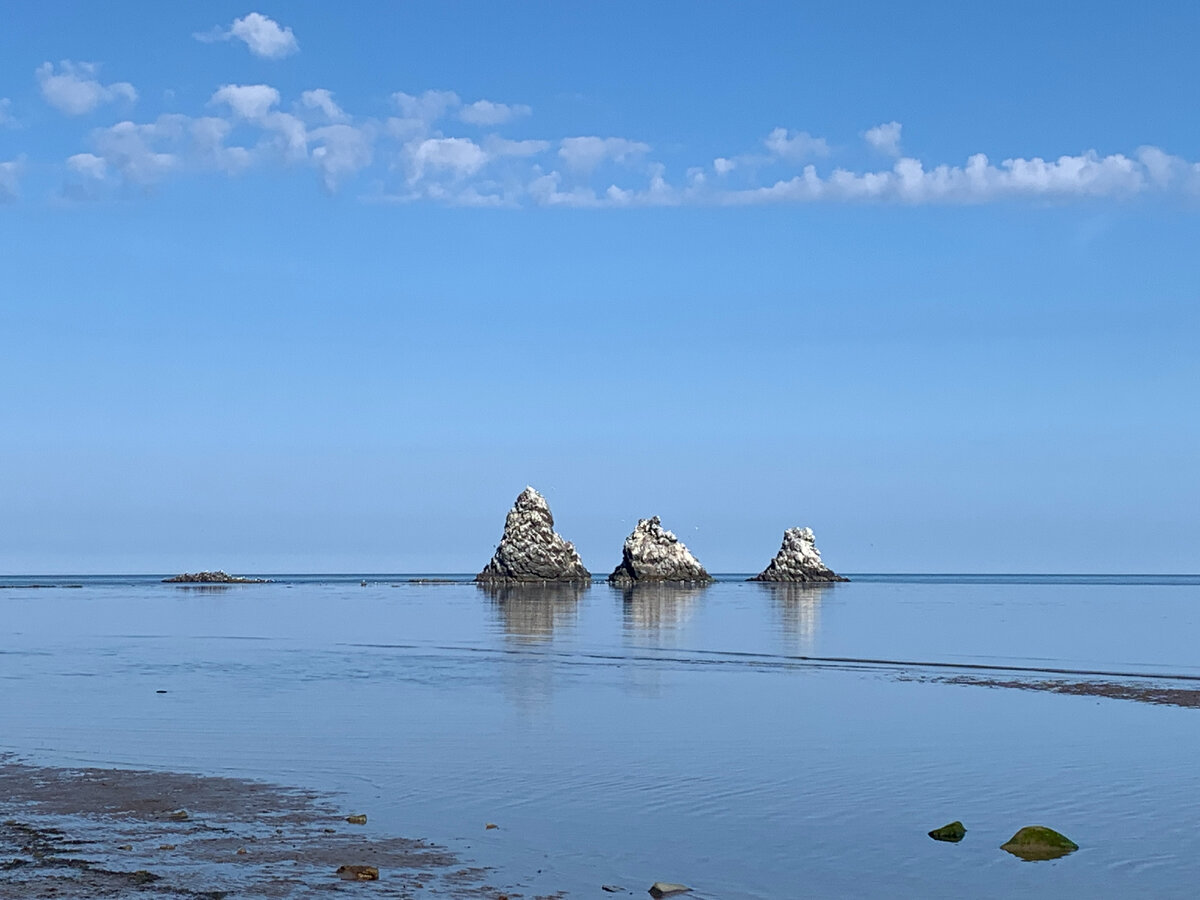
<point>358,873</point>
<point>357,819</point>
<point>798,559</point>
<point>530,549</point>
<point>667,889</point>
<point>954,832</point>
<point>180,815</point>
<point>651,553</point>
<point>1036,842</point>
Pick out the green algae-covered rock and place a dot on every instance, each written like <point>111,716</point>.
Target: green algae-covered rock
<point>1036,842</point>
<point>953,832</point>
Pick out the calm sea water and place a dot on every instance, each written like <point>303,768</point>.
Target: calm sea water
<point>750,741</point>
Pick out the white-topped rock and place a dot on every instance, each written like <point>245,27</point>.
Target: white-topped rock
<point>530,550</point>
<point>651,553</point>
<point>798,560</point>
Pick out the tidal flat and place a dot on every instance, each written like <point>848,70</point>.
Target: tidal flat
<point>747,740</point>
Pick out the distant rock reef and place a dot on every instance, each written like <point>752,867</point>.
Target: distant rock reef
<point>651,553</point>
<point>530,550</point>
<point>217,577</point>
<point>798,560</point>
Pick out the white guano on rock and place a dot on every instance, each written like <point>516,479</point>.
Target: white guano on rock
<point>530,550</point>
<point>651,553</point>
<point>798,559</point>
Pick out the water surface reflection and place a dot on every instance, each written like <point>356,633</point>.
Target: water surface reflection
<point>654,612</point>
<point>799,609</point>
<point>533,612</point>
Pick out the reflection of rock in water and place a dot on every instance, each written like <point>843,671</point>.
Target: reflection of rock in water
<point>799,606</point>
<point>658,606</point>
<point>533,611</point>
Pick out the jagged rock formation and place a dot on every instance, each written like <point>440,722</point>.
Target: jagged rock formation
<point>651,553</point>
<point>798,560</point>
<point>217,577</point>
<point>530,549</point>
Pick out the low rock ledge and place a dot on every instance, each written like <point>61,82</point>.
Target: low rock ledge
<point>217,577</point>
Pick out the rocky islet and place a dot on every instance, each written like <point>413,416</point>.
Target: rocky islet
<point>651,553</point>
<point>798,560</point>
<point>530,550</point>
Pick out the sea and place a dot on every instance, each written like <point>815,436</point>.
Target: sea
<point>750,741</point>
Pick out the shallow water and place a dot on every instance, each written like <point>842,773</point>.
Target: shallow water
<point>749,740</point>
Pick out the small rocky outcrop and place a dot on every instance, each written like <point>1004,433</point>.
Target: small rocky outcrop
<point>651,553</point>
<point>798,560</point>
<point>1037,842</point>
<point>217,577</point>
<point>530,550</point>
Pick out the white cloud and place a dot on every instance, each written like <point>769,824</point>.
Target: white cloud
<point>544,191</point>
<point>583,154</point>
<point>339,152</point>
<point>723,166</point>
<point>795,146</point>
<point>75,90</point>
<point>885,138</point>
<point>249,101</point>
<point>88,165</point>
<point>138,152</point>
<point>208,136</point>
<point>485,112</point>
<point>428,107</point>
<point>498,146</point>
<point>458,156</point>
<point>262,35</point>
<point>10,180</point>
<point>322,100</point>
<point>979,181</point>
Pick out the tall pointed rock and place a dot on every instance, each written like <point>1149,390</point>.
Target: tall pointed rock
<point>651,553</point>
<point>798,560</point>
<point>530,549</point>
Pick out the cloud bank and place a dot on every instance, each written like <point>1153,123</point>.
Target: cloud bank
<point>434,146</point>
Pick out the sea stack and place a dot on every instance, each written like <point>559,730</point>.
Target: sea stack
<point>530,550</point>
<point>651,553</point>
<point>798,560</point>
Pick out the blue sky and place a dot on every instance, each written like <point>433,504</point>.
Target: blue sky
<point>312,288</point>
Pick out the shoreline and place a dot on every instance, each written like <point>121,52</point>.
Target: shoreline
<point>98,832</point>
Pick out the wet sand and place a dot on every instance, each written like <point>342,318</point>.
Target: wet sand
<point>1139,692</point>
<point>90,833</point>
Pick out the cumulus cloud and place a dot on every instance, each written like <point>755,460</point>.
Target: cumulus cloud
<point>340,151</point>
<point>74,88</point>
<point>10,178</point>
<point>264,37</point>
<point>458,157</point>
<point>249,101</point>
<point>795,145</point>
<point>322,100</point>
<point>583,154</point>
<point>88,165</point>
<point>485,112</point>
<point>723,166</point>
<point>427,107</point>
<point>885,138</point>
<point>140,153</point>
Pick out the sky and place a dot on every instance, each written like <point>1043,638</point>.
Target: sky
<point>312,287</point>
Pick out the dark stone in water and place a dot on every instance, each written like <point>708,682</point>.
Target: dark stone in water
<point>954,832</point>
<point>1036,842</point>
